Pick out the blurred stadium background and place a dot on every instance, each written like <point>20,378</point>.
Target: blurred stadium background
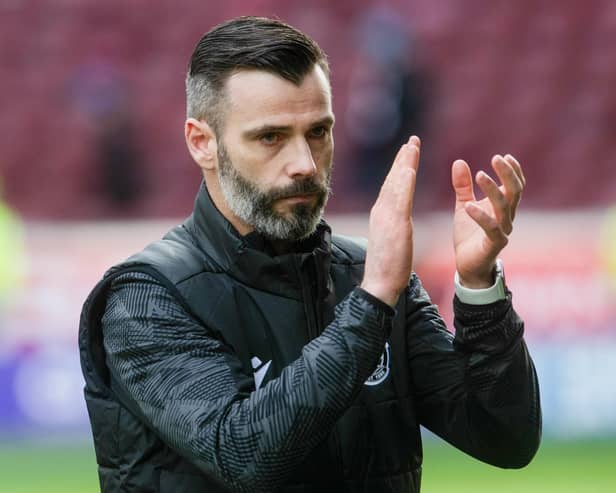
<point>93,166</point>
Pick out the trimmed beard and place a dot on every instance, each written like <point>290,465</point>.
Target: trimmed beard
<point>257,208</point>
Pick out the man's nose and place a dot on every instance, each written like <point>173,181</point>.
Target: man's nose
<point>301,162</point>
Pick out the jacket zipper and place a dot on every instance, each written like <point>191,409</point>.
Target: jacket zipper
<point>314,320</point>
<point>308,301</point>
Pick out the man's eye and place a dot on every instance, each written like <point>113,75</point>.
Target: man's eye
<point>270,138</point>
<point>318,132</point>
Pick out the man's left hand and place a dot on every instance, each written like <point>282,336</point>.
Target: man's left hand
<point>482,227</point>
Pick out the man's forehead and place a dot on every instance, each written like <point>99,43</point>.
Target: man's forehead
<point>259,95</point>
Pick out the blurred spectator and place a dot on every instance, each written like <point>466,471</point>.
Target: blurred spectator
<point>12,253</point>
<point>387,96</point>
<point>100,91</point>
<point>608,244</point>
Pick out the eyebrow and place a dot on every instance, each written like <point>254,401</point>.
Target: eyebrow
<point>327,121</point>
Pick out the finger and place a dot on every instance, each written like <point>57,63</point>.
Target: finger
<point>414,164</point>
<point>499,202</point>
<point>405,179</point>
<point>507,175</point>
<point>391,174</point>
<point>415,145</point>
<point>512,185</point>
<point>496,236</point>
<point>402,157</point>
<point>399,187</point>
<point>517,168</point>
<point>462,182</point>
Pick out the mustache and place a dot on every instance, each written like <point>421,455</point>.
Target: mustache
<point>305,186</point>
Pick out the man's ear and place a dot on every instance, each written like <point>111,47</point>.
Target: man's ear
<point>202,143</point>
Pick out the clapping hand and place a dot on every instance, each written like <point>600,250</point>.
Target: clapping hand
<point>482,227</point>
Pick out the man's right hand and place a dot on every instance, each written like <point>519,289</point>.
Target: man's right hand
<point>389,257</point>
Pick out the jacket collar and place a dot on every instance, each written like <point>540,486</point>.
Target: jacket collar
<point>250,259</point>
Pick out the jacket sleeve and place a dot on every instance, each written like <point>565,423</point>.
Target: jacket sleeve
<point>186,384</point>
<point>477,390</point>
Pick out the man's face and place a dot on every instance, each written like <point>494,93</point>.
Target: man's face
<point>275,152</point>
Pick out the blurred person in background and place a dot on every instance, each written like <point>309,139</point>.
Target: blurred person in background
<point>12,254</point>
<point>608,244</point>
<point>252,350</point>
<point>102,93</point>
<point>387,95</point>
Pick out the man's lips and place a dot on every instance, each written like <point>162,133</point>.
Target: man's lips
<point>307,197</point>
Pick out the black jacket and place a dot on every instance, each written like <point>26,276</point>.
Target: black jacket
<point>213,365</point>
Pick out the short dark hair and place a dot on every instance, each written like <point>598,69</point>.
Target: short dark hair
<point>245,43</point>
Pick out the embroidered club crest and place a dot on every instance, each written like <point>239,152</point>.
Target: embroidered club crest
<point>381,372</point>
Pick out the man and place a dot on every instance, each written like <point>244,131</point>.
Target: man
<point>13,258</point>
<point>251,350</point>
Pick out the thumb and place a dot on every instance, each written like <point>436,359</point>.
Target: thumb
<point>462,182</point>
